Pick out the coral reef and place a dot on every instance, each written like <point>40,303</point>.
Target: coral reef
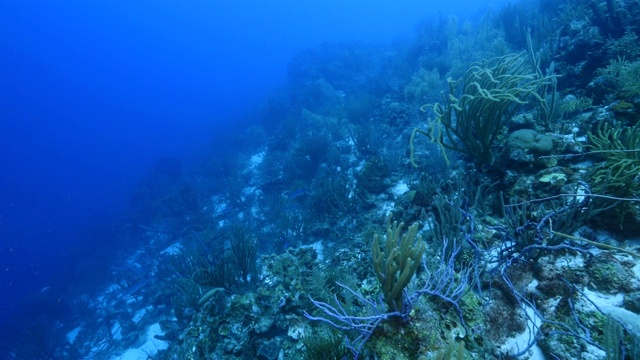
<point>527,196</point>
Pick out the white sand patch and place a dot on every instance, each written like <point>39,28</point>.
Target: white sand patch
<point>116,331</point>
<point>532,285</point>
<point>112,288</point>
<point>138,315</point>
<point>519,342</point>
<point>250,191</point>
<point>71,335</point>
<point>256,160</point>
<point>584,165</point>
<point>386,208</point>
<point>318,247</point>
<point>492,257</point>
<point>569,262</point>
<point>218,206</point>
<point>148,349</point>
<point>612,305</point>
<point>601,299</point>
<point>400,188</point>
<point>173,249</point>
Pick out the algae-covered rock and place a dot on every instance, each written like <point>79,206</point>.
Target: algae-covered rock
<point>269,350</point>
<point>632,302</point>
<point>530,141</point>
<point>374,175</point>
<point>608,274</point>
<point>556,179</point>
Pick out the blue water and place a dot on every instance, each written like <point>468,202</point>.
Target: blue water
<point>93,93</point>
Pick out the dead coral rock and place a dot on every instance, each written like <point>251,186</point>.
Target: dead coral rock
<point>609,274</point>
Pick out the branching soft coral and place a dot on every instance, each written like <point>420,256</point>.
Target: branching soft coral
<point>396,265</point>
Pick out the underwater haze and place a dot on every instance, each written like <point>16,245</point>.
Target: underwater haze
<point>99,97</point>
<point>94,92</point>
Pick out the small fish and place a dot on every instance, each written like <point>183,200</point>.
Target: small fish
<point>44,290</point>
<point>297,193</point>
<point>132,290</point>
